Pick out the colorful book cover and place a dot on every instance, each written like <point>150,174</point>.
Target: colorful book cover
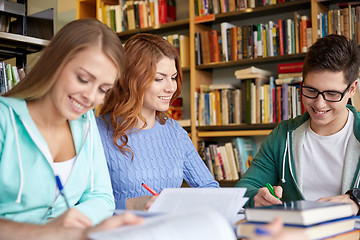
<point>246,149</point>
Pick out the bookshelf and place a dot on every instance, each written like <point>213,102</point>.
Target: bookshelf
<point>17,45</point>
<point>209,73</point>
<point>91,8</point>
<point>221,71</point>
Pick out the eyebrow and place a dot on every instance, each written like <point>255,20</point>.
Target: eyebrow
<point>163,74</point>
<point>87,72</point>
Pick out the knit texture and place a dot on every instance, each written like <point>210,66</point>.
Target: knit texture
<point>163,156</point>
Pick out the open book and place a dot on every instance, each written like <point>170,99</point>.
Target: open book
<point>203,223</point>
<point>226,201</point>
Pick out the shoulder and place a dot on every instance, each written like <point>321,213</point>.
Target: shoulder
<point>8,105</point>
<point>289,125</point>
<point>173,124</point>
<point>102,122</point>
<point>356,121</point>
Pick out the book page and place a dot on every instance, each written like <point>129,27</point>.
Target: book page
<point>202,223</point>
<point>227,201</point>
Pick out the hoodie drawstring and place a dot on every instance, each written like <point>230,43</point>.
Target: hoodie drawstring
<point>287,150</point>
<point>18,199</point>
<point>91,155</point>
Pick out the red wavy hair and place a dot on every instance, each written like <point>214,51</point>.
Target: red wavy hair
<point>124,101</point>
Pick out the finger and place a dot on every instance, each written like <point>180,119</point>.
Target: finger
<point>278,191</point>
<point>271,199</point>
<point>150,202</point>
<point>275,226</point>
<point>75,218</point>
<point>118,220</point>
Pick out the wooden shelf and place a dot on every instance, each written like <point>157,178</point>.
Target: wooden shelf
<point>13,45</point>
<point>252,61</point>
<point>234,130</point>
<point>239,133</point>
<point>263,10</point>
<point>176,25</point>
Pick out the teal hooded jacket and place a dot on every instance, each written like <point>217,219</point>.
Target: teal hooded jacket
<point>278,160</point>
<point>27,181</point>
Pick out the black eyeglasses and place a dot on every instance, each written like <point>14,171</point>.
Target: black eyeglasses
<point>330,96</point>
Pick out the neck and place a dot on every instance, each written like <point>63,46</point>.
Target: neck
<point>44,115</point>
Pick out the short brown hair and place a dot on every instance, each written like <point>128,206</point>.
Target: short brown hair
<point>333,53</point>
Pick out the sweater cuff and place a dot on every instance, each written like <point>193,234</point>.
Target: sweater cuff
<point>121,203</point>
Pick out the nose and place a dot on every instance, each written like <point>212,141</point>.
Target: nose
<point>320,101</point>
<point>171,86</point>
<point>90,95</point>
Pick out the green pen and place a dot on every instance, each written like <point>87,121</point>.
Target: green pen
<point>271,190</point>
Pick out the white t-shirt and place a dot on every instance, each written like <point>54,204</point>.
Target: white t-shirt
<point>63,170</point>
<point>323,162</point>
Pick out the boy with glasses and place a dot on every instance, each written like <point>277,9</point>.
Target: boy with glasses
<point>315,156</point>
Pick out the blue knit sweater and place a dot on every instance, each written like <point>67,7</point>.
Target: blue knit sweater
<point>163,156</point>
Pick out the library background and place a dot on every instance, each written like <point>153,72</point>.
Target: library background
<point>241,59</point>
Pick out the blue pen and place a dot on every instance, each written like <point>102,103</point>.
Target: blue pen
<point>60,186</point>
<point>262,231</point>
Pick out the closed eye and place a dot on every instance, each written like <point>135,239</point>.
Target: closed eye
<point>103,90</point>
<point>81,80</point>
<point>332,93</point>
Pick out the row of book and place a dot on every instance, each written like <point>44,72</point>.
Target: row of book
<point>182,44</point>
<point>229,161</point>
<point>231,43</point>
<point>205,7</point>
<point>255,102</point>
<point>9,76</point>
<point>130,14</point>
<point>259,98</point>
<point>344,21</point>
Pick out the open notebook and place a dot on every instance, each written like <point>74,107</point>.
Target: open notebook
<point>186,213</point>
<point>203,223</point>
<point>227,201</point>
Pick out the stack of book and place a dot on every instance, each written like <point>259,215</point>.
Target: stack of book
<point>317,220</point>
<point>289,73</point>
<point>255,94</point>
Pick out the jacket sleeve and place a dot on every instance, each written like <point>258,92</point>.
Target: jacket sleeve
<point>196,173</point>
<point>2,128</point>
<point>262,170</point>
<point>97,202</point>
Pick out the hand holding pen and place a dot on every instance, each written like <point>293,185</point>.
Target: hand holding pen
<point>271,190</point>
<point>152,191</point>
<point>268,195</point>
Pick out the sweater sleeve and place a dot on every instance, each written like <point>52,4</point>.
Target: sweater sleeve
<point>196,173</point>
<point>97,202</point>
<point>113,164</point>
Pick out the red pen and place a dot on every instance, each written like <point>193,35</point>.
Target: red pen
<point>152,191</point>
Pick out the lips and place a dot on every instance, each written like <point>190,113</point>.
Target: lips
<point>165,98</point>
<point>78,106</point>
<point>318,112</point>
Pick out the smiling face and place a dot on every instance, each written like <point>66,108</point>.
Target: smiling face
<point>327,117</point>
<point>157,97</point>
<point>82,83</point>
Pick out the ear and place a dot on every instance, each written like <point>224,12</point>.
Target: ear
<point>353,88</point>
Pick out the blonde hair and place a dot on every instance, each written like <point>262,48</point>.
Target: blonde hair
<point>69,41</point>
<point>125,100</point>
